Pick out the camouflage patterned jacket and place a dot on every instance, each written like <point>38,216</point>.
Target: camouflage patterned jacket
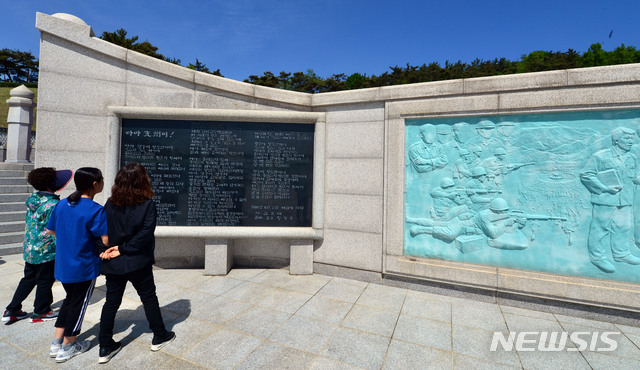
<point>38,246</point>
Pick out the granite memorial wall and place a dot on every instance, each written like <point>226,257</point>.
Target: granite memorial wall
<point>522,184</point>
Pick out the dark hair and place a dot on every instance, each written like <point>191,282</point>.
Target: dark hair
<point>42,178</point>
<point>131,186</point>
<point>84,179</point>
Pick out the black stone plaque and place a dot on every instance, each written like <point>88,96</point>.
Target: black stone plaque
<point>225,173</point>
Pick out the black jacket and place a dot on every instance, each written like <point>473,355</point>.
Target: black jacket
<point>131,228</point>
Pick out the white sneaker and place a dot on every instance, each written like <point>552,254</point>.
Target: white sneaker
<point>54,349</point>
<point>76,348</point>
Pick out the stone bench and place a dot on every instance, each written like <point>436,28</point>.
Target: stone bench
<point>218,257</point>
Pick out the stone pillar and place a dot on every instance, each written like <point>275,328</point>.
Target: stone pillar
<point>218,257</point>
<point>20,121</point>
<point>301,258</point>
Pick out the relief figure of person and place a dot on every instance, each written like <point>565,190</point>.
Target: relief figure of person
<point>486,140</point>
<point>448,202</point>
<point>427,155</point>
<point>611,176</point>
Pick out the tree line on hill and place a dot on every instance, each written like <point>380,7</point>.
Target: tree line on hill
<point>19,67</point>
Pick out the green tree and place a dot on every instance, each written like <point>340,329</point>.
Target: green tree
<point>595,56</point>
<point>18,66</point>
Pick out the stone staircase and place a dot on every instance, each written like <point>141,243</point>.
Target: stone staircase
<point>14,190</point>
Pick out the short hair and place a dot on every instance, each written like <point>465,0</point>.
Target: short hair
<point>617,133</point>
<point>42,178</point>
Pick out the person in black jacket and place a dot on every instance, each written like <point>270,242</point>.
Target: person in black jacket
<point>131,222</point>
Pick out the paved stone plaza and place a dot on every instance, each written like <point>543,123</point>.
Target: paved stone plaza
<point>268,319</point>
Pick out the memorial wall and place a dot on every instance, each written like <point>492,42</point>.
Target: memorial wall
<point>509,186</point>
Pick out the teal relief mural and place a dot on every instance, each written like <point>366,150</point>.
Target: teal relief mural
<point>556,192</point>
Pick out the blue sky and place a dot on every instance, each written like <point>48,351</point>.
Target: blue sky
<point>245,37</point>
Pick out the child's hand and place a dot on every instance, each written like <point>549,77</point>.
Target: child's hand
<point>110,253</point>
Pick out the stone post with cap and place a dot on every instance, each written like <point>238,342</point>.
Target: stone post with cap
<point>20,121</point>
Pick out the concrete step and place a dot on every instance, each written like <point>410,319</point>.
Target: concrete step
<point>13,206</point>
<point>13,226</point>
<point>8,249</point>
<point>16,166</point>
<point>12,189</point>
<point>11,238</point>
<point>13,181</point>
<point>14,173</point>
<point>12,216</point>
<point>17,197</point>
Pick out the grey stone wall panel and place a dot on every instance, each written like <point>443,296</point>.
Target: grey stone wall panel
<point>346,97</point>
<point>521,81</point>
<point>145,96</point>
<point>421,90</point>
<point>604,75</point>
<point>353,212</point>
<point>66,58</point>
<point>276,248</point>
<point>224,84</point>
<point>81,132</point>
<point>355,113</point>
<point>354,176</point>
<point>350,249</point>
<point>571,98</point>
<point>355,140</point>
<point>210,98</point>
<point>448,106</point>
<point>63,93</point>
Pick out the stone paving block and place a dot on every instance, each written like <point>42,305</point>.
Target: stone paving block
<point>220,310</point>
<point>477,343</point>
<point>325,309</point>
<point>189,332</point>
<point>342,290</point>
<point>585,322</point>
<point>404,355</point>
<point>601,360</point>
<point>525,312</point>
<point>274,278</point>
<point>425,332</point>
<point>249,292</point>
<point>371,320</point>
<point>18,359</point>
<point>133,355</point>
<point>626,329</point>
<point>419,306</point>
<point>519,324</point>
<point>285,300</point>
<point>274,356</point>
<point>357,348</point>
<point>244,274</point>
<point>303,334</point>
<point>324,363</point>
<point>469,317</point>
<point>216,284</point>
<point>559,360</point>
<point>465,362</point>
<point>383,297</point>
<point>223,349</point>
<point>625,348</point>
<point>307,284</point>
<point>258,321</point>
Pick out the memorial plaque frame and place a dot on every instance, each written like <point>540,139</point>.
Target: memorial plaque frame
<point>117,114</point>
